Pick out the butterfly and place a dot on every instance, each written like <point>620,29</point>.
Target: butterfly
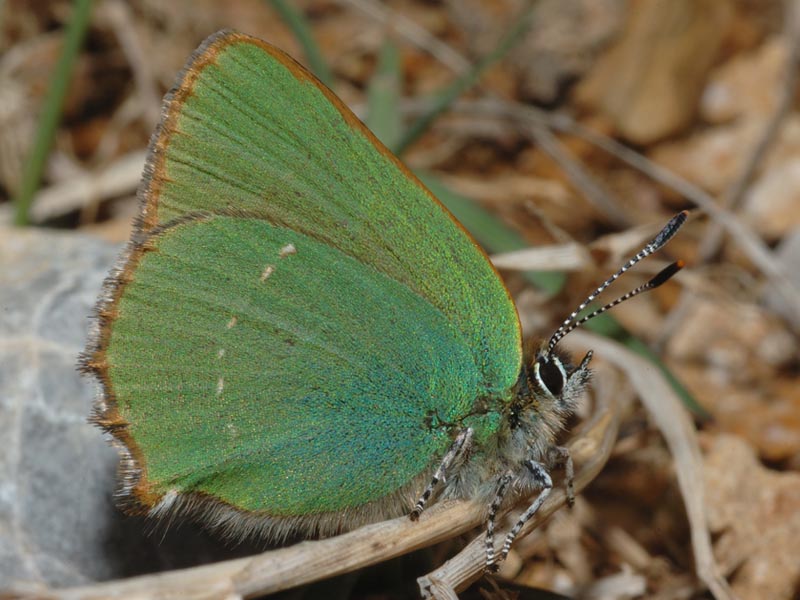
<point>299,338</point>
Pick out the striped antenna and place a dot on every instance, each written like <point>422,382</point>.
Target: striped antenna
<point>665,235</point>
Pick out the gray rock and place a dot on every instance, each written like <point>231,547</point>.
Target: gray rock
<point>58,522</point>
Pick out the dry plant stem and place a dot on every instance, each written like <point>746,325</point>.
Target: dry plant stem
<point>590,451</point>
<point>417,35</point>
<point>555,257</point>
<point>314,560</point>
<point>741,235</point>
<point>120,16</point>
<point>580,178</point>
<point>712,240</point>
<point>733,198</point>
<point>678,430</point>
<point>115,179</point>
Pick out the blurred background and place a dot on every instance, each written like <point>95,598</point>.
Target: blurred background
<point>575,127</point>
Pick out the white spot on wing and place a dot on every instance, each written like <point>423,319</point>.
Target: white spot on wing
<point>287,250</point>
<point>268,270</point>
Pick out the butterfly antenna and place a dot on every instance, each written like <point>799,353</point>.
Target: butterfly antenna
<point>665,235</point>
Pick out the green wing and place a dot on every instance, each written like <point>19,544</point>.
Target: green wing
<point>248,128</point>
<point>302,324</point>
<point>259,366</point>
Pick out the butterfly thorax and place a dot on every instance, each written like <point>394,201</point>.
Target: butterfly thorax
<point>546,394</point>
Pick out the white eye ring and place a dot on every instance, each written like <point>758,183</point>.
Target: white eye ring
<point>540,382</point>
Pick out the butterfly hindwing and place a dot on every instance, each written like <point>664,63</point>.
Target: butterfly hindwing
<point>252,361</point>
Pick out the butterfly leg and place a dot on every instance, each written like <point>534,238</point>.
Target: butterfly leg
<point>456,450</point>
<point>542,478</point>
<point>502,488</point>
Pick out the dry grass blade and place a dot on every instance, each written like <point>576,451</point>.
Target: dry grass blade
<point>588,185</point>
<point>120,177</point>
<point>674,423</point>
<point>572,256</point>
<point>416,34</point>
<point>120,18</point>
<point>557,257</point>
<point>590,451</point>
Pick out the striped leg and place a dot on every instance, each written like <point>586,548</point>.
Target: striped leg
<point>456,450</point>
<point>502,488</point>
<point>541,477</point>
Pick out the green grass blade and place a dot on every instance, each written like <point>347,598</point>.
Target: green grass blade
<point>51,110</point>
<point>383,95</point>
<point>295,20</point>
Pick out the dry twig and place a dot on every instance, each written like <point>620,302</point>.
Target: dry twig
<point>678,430</point>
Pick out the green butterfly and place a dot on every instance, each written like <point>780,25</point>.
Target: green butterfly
<point>300,339</point>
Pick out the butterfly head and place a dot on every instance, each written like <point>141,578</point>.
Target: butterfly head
<point>554,377</point>
<point>549,380</point>
<point>548,390</point>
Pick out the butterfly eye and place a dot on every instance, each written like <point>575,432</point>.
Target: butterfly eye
<point>551,374</point>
